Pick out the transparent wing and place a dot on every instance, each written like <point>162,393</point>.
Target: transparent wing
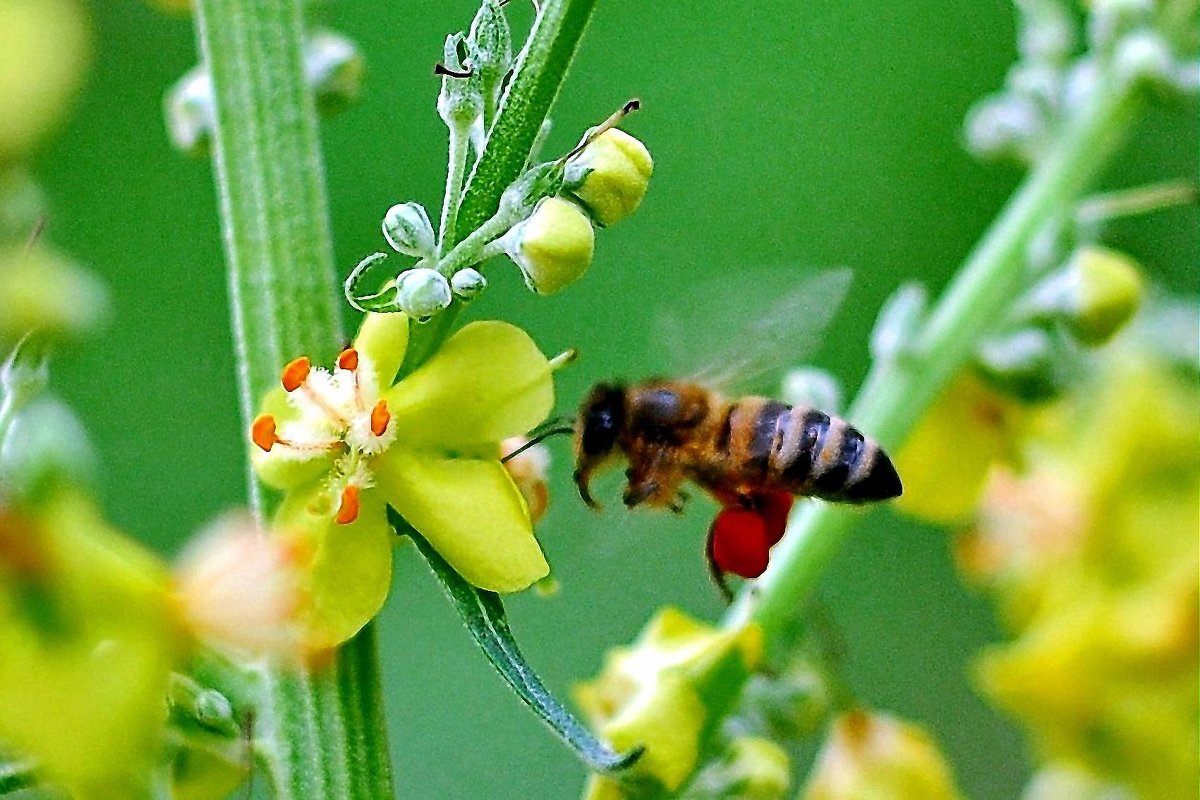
<point>735,333</point>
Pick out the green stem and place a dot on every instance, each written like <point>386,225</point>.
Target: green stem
<point>320,731</point>
<point>539,73</point>
<point>897,393</point>
<point>456,169</point>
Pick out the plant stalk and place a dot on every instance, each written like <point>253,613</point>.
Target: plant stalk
<point>319,731</point>
<point>897,393</point>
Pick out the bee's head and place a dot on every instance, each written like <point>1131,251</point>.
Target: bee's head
<point>601,420</point>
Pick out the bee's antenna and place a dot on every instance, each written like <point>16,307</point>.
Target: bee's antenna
<point>559,428</point>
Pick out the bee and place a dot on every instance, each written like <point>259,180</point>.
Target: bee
<point>672,431</point>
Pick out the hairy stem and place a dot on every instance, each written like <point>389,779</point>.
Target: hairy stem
<point>540,71</point>
<point>898,392</point>
<point>455,172</point>
<point>320,731</point>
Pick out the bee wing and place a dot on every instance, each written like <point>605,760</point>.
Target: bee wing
<point>736,338</point>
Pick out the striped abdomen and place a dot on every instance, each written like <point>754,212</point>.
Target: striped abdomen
<point>807,452</point>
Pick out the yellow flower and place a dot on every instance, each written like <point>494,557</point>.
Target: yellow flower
<point>877,756</point>
<point>89,638</point>
<point>345,443</point>
<point>657,693</point>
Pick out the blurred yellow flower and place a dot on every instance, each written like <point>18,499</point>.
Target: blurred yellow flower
<point>1094,556</point>
<point>44,50</point>
<point>657,694</point>
<point>347,443</point>
<point>870,756</point>
<point>89,638</point>
<point>947,458</point>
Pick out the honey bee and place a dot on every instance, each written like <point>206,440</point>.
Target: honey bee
<point>673,431</point>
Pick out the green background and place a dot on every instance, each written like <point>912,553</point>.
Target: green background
<point>786,136</point>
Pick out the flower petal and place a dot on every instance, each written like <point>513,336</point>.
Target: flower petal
<point>383,340</point>
<point>488,382</point>
<point>470,511</point>
<point>350,570</point>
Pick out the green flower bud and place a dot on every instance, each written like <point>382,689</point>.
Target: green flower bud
<point>333,69</point>
<point>1030,364</point>
<point>190,114</point>
<point>422,292</point>
<point>460,102</point>
<point>490,45</point>
<point>1094,295</point>
<point>553,247</point>
<point>468,283</point>
<point>407,228</point>
<point>43,53</point>
<point>43,447</point>
<point>610,176</point>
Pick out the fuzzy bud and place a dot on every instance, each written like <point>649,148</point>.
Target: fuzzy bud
<point>468,283</point>
<point>490,44</point>
<point>189,112</point>
<point>1094,295</point>
<point>553,247</point>
<point>407,229</point>
<point>1144,57</point>
<point>611,175</point>
<point>1004,126</point>
<point>460,102</point>
<point>333,70</point>
<point>422,292</point>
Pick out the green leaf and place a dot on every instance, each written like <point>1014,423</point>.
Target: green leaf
<point>483,613</point>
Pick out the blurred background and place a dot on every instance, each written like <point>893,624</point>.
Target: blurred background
<point>787,137</point>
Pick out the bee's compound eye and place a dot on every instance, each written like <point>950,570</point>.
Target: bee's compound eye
<point>602,421</point>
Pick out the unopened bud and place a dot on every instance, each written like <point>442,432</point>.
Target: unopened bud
<point>1109,20</point>
<point>1029,364</point>
<point>1007,125</point>
<point>460,102</point>
<point>752,768</point>
<point>468,283</point>
<point>1094,295</point>
<point>610,176</point>
<point>422,292</point>
<point>190,113</point>
<point>407,228</point>
<point>43,447</point>
<point>1144,57</point>
<point>812,387</point>
<point>875,755</point>
<point>899,321</point>
<point>553,247</point>
<point>490,45</point>
<point>333,69</point>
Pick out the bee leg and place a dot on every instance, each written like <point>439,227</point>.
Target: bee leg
<point>638,493</point>
<point>585,492</point>
<point>715,573</point>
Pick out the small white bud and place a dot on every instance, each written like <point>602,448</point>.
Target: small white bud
<point>190,114</point>
<point>407,228</point>
<point>468,283</point>
<point>422,292</point>
<point>1082,79</point>
<point>899,319</point>
<point>1004,126</point>
<point>812,387</point>
<point>1144,57</point>
<point>333,70</point>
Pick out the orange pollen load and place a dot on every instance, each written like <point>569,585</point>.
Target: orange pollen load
<point>262,432</point>
<point>295,374</point>
<point>348,359</point>
<point>348,509</point>
<point>380,417</point>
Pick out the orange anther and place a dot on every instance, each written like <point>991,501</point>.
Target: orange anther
<point>348,509</point>
<point>348,359</point>
<point>380,417</point>
<point>262,432</point>
<point>295,374</point>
